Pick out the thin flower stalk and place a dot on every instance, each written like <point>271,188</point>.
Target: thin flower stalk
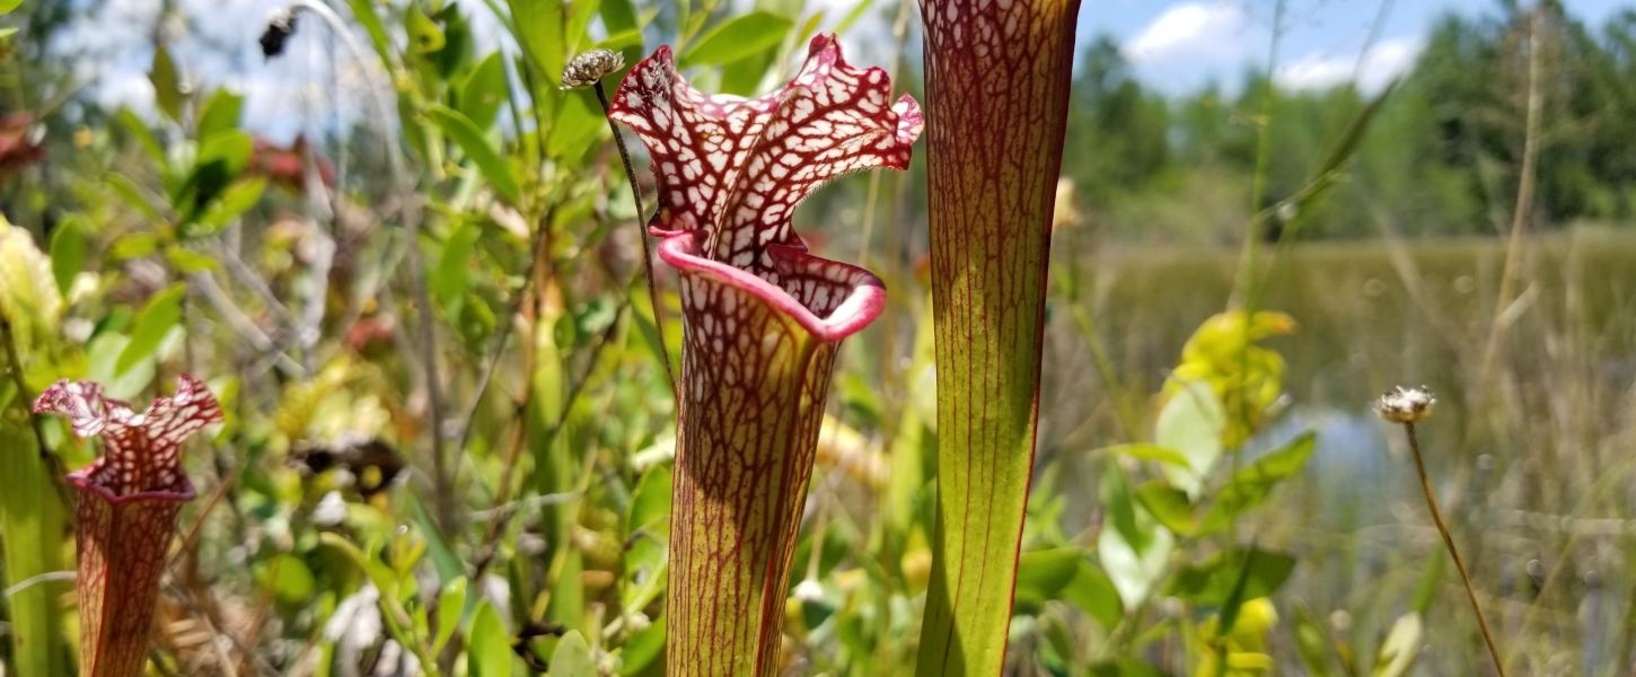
<point>762,319</point>
<point>997,85</point>
<point>1405,407</point>
<point>129,500</point>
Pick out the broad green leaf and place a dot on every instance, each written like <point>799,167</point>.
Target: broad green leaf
<point>484,90</point>
<point>1252,484</point>
<point>542,32</point>
<point>643,650</point>
<point>737,38</point>
<point>623,40</point>
<point>624,31</point>
<point>220,113</point>
<point>572,657</point>
<point>1401,648</point>
<point>167,84</point>
<point>1191,423</point>
<point>230,146</point>
<point>488,646</point>
<point>477,149</point>
<point>363,11</point>
<point>68,246</point>
<point>161,313</point>
<point>1249,574</point>
<point>6,6</point>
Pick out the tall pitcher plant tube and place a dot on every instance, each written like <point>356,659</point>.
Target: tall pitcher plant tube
<point>128,503</point>
<point>762,321</point>
<point>997,79</point>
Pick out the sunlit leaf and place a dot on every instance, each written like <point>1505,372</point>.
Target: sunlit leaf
<point>1401,647</point>
<point>167,84</point>
<point>572,657</point>
<point>488,652</point>
<point>220,113</point>
<point>1191,423</point>
<point>68,248</point>
<point>542,32</point>
<point>1250,574</point>
<point>477,149</point>
<point>233,202</point>
<point>484,90</point>
<point>737,38</point>
<point>1253,483</point>
<point>1169,506</point>
<point>161,313</point>
<point>424,33</point>
<point>451,606</point>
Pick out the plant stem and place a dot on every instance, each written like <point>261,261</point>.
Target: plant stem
<point>647,253</point>
<point>1454,552</point>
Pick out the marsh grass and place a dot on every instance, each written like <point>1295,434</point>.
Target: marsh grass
<point>1532,473</point>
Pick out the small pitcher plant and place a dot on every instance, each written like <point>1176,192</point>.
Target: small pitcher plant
<point>128,504</point>
<point>763,320</point>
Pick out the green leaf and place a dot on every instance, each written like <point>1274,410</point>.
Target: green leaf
<point>1252,484</point>
<point>134,246</point>
<point>1124,667</point>
<point>167,84</point>
<point>451,606</point>
<point>188,262</point>
<point>162,312</point>
<point>1150,452</point>
<point>477,149</point>
<point>572,657</point>
<point>68,247</point>
<point>1169,506</point>
<point>1191,423</point>
<point>738,38</point>
<point>424,34</point>
<point>6,6</point>
<point>577,127</point>
<point>1094,593</point>
<point>1312,644</point>
<point>542,33</point>
<point>623,40</point>
<point>488,652</point>
<point>231,204</point>
<point>580,13</point>
<point>1042,574</point>
<point>1134,551</point>
<point>449,281</point>
<point>1244,574</point>
<point>220,113</point>
<point>288,578</point>
<point>484,90</point>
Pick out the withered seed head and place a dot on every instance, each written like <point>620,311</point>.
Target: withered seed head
<point>280,26</point>
<point>1405,405</point>
<point>590,67</point>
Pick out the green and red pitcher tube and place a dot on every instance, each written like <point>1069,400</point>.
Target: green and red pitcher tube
<point>997,85</point>
<point>129,500</point>
<point>763,320</point>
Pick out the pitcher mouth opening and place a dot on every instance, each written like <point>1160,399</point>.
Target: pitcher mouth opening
<point>830,299</point>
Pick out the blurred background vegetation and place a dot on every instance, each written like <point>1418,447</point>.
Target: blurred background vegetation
<point>449,423</point>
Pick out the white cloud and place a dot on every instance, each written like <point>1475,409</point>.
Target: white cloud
<point>1379,65</point>
<point>1190,31</point>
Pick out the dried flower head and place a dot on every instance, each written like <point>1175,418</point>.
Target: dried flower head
<point>589,68</point>
<point>1405,405</point>
<point>280,26</point>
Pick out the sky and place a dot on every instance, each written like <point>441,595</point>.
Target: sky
<point>1176,47</point>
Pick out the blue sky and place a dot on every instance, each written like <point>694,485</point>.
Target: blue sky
<point>1176,46</point>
